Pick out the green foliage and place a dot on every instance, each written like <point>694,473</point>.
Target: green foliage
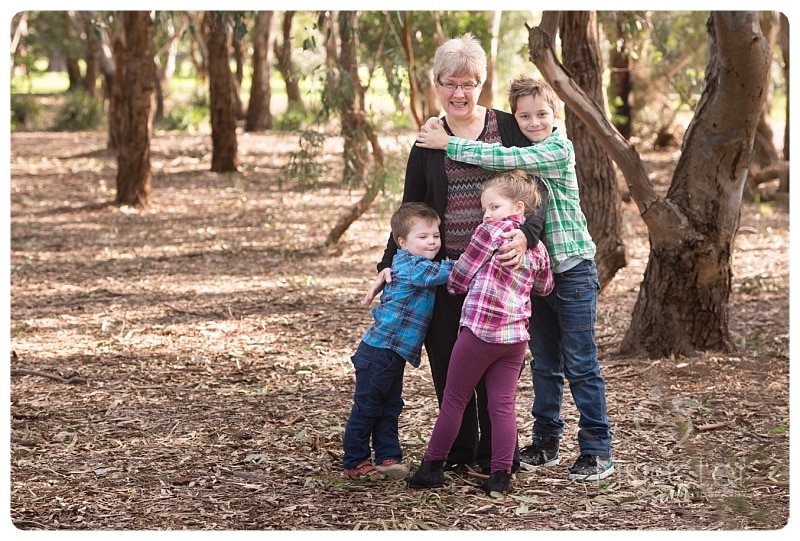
<point>293,118</point>
<point>306,165</point>
<point>80,112</point>
<point>24,110</point>
<point>193,117</point>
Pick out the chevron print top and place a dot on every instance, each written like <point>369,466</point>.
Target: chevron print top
<point>463,211</point>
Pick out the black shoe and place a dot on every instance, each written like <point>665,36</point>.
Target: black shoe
<point>592,468</point>
<point>429,475</point>
<point>461,469</point>
<point>543,451</point>
<point>498,481</point>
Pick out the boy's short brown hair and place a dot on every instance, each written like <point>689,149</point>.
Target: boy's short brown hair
<point>404,217</point>
<point>525,85</point>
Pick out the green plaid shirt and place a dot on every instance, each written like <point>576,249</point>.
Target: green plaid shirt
<point>566,234</point>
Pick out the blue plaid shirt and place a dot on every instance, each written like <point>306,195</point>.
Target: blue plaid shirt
<point>406,305</point>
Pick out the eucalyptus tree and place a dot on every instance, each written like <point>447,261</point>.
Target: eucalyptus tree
<point>218,30</point>
<point>600,196</point>
<point>135,73</point>
<point>683,300</point>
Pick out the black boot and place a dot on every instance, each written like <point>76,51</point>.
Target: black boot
<point>429,475</point>
<point>498,481</point>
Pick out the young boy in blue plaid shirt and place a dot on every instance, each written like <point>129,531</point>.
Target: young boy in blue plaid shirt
<point>562,326</point>
<point>401,321</point>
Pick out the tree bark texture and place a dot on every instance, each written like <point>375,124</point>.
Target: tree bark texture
<point>134,177</point>
<point>259,116</point>
<point>600,197</point>
<point>783,39</point>
<point>683,299</point>
<point>283,54</point>
<point>350,96</point>
<point>621,84</point>
<point>224,158</point>
<point>357,132</point>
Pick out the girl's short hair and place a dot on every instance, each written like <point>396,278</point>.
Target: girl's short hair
<point>460,56</point>
<point>516,185</point>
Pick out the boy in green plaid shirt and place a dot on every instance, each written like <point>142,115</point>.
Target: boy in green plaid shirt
<point>569,313</point>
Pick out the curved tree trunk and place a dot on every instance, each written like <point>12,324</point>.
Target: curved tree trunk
<point>600,197</point>
<point>224,156</point>
<point>259,116</point>
<point>357,132</point>
<point>351,98</point>
<point>134,176</point>
<point>683,299</point>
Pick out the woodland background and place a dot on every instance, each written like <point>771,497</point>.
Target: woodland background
<point>185,365</point>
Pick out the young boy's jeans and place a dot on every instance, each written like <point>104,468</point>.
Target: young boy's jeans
<point>563,345</point>
<point>377,404</point>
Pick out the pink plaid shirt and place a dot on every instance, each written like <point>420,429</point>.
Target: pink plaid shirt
<point>498,305</point>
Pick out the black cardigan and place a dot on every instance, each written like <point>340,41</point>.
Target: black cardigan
<point>426,182</point>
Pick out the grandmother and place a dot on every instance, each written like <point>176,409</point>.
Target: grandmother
<point>454,189</point>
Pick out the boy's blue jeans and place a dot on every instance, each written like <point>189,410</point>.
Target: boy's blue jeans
<point>563,346</point>
<point>377,404</point>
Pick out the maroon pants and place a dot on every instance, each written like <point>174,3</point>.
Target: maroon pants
<point>500,365</point>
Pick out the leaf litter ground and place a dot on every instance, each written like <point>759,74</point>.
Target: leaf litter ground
<point>187,367</point>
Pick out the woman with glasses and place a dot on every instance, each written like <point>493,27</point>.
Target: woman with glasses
<point>454,190</point>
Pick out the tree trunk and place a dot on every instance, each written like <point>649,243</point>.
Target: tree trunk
<point>683,299</point>
<point>357,132</point>
<point>114,74</point>
<point>764,151</point>
<point>414,99</point>
<point>600,197</point>
<point>783,39</point>
<point>224,155</point>
<point>134,176</point>
<point>91,46</point>
<point>259,116</point>
<point>236,79</point>
<point>351,100</point>
<point>487,95</point>
<point>283,54</point>
<point>620,88</point>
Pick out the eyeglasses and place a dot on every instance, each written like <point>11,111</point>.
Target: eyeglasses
<point>466,87</point>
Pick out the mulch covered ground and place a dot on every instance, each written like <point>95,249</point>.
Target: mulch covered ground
<point>187,367</point>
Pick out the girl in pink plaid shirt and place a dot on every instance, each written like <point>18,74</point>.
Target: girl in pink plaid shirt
<point>493,332</point>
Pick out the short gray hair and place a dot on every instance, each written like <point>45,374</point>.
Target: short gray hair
<point>460,56</point>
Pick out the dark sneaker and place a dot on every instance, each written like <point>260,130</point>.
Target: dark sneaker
<point>542,452</point>
<point>592,468</point>
<point>498,481</point>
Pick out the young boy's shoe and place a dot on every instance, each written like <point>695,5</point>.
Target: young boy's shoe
<point>365,470</point>
<point>543,451</point>
<point>392,469</point>
<point>592,468</point>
